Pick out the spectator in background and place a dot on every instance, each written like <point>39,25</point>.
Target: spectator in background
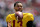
<point>38,24</point>
<point>2,4</point>
<point>36,7</point>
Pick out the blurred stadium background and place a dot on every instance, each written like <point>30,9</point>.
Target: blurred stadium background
<point>30,6</point>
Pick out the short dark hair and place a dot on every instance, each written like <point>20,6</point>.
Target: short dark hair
<point>16,3</point>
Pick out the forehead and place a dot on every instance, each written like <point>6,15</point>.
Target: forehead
<point>19,4</point>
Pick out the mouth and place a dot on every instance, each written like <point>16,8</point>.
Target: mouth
<point>18,9</point>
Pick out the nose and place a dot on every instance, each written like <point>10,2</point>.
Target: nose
<point>19,7</point>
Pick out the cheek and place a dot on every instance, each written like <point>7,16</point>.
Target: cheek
<point>22,8</point>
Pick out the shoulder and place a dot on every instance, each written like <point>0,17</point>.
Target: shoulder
<point>28,14</point>
<point>11,15</point>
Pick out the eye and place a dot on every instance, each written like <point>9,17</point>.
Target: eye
<point>17,6</point>
<point>20,6</point>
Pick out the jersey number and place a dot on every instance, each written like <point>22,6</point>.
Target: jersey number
<point>17,22</point>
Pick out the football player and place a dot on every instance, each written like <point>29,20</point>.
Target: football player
<point>19,19</point>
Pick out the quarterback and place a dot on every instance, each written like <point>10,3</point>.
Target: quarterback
<point>19,19</point>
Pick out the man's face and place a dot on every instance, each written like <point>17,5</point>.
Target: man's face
<point>18,7</point>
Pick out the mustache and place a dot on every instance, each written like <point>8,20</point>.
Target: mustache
<point>18,9</point>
